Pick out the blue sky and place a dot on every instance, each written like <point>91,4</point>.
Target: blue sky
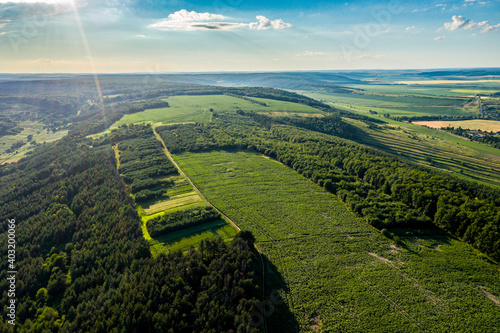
<point>241,35</point>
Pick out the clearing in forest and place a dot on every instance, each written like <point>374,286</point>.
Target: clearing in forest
<point>330,260</point>
<point>189,109</point>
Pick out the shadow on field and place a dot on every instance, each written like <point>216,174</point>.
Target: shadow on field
<point>433,237</point>
<point>274,312</point>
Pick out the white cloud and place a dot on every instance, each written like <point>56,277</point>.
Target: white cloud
<point>440,37</point>
<point>460,22</point>
<point>265,23</point>
<point>309,54</point>
<point>141,36</point>
<point>413,30</point>
<point>188,21</point>
<point>185,16</point>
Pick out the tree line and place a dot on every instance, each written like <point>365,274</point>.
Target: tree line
<point>489,138</point>
<point>386,191</point>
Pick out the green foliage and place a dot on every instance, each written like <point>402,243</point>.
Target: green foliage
<point>42,297</point>
<point>335,267</point>
<point>142,159</point>
<point>181,219</point>
<point>387,192</point>
<point>70,196</point>
<point>489,138</point>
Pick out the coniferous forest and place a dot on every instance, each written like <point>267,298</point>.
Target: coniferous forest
<point>84,263</point>
<point>85,267</point>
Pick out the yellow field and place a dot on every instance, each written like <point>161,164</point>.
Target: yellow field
<point>484,125</point>
<point>445,81</point>
<point>473,91</point>
<point>174,202</point>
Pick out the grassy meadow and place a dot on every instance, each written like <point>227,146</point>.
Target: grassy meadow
<point>186,109</point>
<point>340,275</point>
<point>397,105</point>
<point>35,129</point>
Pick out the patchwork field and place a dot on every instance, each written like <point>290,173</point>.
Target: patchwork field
<point>434,148</point>
<point>336,273</point>
<point>476,124</point>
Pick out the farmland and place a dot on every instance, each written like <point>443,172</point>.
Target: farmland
<point>397,105</point>
<point>432,90</point>
<point>436,149</point>
<point>423,145</point>
<point>338,272</point>
<point>477,124</point>
<point>185,109</point>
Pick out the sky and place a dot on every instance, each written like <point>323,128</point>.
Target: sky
<point>163,36</point>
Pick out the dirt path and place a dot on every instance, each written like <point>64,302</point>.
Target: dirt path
<point>223,215</point>
<point>492,297</point>
<point>190,181</point>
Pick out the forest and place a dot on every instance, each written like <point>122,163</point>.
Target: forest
<point>83,264</point>
<point>389,193</point>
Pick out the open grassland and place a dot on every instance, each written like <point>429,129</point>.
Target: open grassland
<point>173,202</point>
<point>181,196</point>
<point>186,109</point>
<point>338,273</point>
<point>182,240</point>
<point>476,124</point>
<point>40,135</point>
<point>396,105</point>
<point>400,89</point>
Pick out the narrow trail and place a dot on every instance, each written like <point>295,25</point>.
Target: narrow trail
<point>191,182</point>
<point>158,137</point>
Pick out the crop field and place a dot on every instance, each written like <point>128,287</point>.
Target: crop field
<point>335,272</point>
<point>30,128</point>
<point>400,89</point>
<point>185,109</point>
<point>476,124</point>
<point>396,105</point>
<point>436,149</point>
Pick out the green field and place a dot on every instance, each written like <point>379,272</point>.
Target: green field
<point>182,240</point>
<point>39,135</point>
<point>340,275</point>
<point>396,105</point>
<point>457,89</point>
<point>185,109</point>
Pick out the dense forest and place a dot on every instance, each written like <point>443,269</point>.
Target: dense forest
<point>386,191</point>
<point>84,266</point>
